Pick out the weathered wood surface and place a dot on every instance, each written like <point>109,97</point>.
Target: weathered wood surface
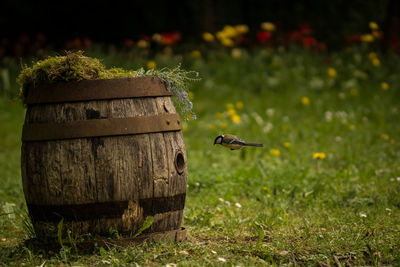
<point>104,169</point>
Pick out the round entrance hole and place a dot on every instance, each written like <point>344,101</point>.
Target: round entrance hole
<point>179,162</point>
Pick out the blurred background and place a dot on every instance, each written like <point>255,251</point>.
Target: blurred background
<point>29,26</point>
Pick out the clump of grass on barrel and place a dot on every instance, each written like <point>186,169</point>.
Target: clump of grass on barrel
<point>74,66</point>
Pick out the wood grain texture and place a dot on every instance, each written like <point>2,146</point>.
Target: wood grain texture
<point>104,169</point>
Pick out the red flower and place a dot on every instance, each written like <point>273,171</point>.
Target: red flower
<point>263,37</point>
<point>309,41</point>
<point>170,38</point>
<point>40,38</point>
<point>394,43</point>
<point>129,43</point>
<point>305,29</point>
<point>295,36</point>
<point>378,34</point>
<point>353,38</point>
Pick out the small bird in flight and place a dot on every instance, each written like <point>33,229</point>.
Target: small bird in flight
<point>233,142</point>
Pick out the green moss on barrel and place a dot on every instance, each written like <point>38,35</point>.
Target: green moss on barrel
<point>74,66</point>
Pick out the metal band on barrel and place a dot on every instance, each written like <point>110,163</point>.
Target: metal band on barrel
<point>90,211</point>
<point>101,127</point>
<point>89,90</point>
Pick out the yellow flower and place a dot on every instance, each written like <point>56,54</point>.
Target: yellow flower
<point>242,29</point>
<point>274,152</point>
<point>305,101</point>
<point>184,127</point>
<point>208,37</point>
<point>196,54</point>
<point>367,38</point>
<point>372,55</point>
<point>287,144</point>
<point>332,72</point>
<point>384,86</point>
<point>392,141</point>
<point>151,64</point>
<point>265,188</point>
<point>219,115</point>
<point>319,155</point>
<point>373,25</point>
<point>385,136</point>
<point>227,42</point>
<point>239,105</point>
<point>191,95</point>
<point>231,112</point>
<point>268,26</point>
<point>142,44</point>
<point>353,91</point>
<point>223,125</point>
<point>236,53</point>
<point>235,118</point>
<point>229,106</point>
<point>157,38</point>
<point>220,35</point>
<point>229,31</point>
<point>376,62</point>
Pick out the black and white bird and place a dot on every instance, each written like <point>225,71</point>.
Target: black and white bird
<point>233,142</point>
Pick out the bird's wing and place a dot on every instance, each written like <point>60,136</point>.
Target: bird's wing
<point>236,141</point>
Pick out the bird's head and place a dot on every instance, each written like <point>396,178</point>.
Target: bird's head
<point>218,140</point>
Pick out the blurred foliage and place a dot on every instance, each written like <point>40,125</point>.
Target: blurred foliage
<point>332,20</point>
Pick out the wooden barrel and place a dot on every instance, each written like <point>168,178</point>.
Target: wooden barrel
<point>101,155</point>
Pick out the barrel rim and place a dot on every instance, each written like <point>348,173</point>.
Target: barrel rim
<point>98,89</point>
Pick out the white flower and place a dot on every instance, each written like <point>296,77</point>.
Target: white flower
<point>388,210</point>
<point>105,262</point>
<point>268,127</point>
<point>350,83</point>
<point>258,118</point>
<point>328,116</point>
<point>316,83</point>
<point>342,115</point>
<point>363,215</point>
<point>213,252</point>
<point>170,265</point>
<point>221,259</point>
<point>183,252</point>
<point>270,112</point>
<point>221,199</point>
<point>227,203</point>
<point>238,205</point>
<point>197,184</point>
<point>398,179</point>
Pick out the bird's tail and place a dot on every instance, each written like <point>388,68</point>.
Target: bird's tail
<point>253,144</point>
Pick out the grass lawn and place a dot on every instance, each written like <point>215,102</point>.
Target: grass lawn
<point>257,206</point>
